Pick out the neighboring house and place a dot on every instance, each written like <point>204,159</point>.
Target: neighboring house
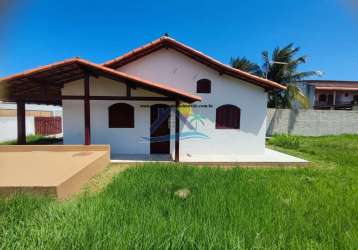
<point>35,114</point>
<point>139,102</point>
<point>9,110</point>
<point>327,94</point>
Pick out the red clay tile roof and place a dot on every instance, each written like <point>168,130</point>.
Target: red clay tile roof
<point>72,69</point>
<point>334,85</point>
<point>165,42</point>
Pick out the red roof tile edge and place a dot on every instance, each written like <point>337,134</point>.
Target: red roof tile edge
<point>330,81</point>
<point>172,42</point>
<point>122,75</point>
<point>337,88</point>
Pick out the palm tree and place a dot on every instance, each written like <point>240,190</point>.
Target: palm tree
<point>281,68</point>
<point>245,64</point>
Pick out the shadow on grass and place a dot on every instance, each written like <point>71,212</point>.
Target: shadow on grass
<point>36,140</point>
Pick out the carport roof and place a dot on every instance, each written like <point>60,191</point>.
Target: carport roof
<point>43,84</point>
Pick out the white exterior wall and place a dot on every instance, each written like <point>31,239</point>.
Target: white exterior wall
<point>8,127</point>
<point>8,124</point>
<point>73,122</point>
<point>121,140</point>
<point>179,71</point>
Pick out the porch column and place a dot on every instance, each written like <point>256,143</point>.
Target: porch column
<point>87,111</point>
<point>177,103</point>
<point>334,98</point>
<point>21,123</point>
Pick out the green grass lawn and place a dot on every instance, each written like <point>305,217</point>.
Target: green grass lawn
<point>300,208</point>
<point>35,140</point>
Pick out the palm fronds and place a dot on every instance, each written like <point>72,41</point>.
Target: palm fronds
<point>281,67</point>
<point>244,64</point>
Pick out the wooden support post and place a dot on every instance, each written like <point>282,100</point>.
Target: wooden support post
<point>334,98</point>
<point>177,130</point>
<point>21,123</point>
<point>87,110</point>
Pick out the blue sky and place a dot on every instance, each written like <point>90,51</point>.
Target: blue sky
<point>35,33</point>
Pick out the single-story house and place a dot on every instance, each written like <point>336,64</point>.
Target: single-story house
<point>162,98</point>
<point>331,94</point>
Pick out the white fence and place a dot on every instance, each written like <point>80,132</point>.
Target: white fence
<point>311,122</point>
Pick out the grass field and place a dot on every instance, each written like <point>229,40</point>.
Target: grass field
<point>303,208</point>
<point>35,140</point>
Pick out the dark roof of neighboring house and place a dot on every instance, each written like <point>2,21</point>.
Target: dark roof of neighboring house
<point>57,74</point>
<point>167,42</point>
<point>334,85</point>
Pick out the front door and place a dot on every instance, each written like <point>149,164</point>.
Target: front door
<point>159,129</point>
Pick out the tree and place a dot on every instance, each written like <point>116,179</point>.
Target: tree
<point>245,64</point>
<point>281,67</point>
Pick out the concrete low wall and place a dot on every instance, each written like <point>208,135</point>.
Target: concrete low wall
<point>53,148</point>
<point>8,127</point>
<point>311,122</point>
<point>56,170</point>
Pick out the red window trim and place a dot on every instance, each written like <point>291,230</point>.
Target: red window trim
<point>203,86</point>
<point>121,115</point>
<point>228,116</point>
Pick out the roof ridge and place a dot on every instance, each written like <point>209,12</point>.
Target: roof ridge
<point>173,42</point>
<point>224,64</point>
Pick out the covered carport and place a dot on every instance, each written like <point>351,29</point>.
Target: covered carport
<point>43,86</point>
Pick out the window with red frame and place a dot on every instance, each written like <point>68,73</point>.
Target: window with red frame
<point>121,115</point>
<point>228,117</point>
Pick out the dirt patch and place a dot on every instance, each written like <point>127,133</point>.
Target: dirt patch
<point>102,179</point>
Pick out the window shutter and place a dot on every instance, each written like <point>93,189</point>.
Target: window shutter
<point>203,86</point>
<point>228,117</point>
<point>121,115</point>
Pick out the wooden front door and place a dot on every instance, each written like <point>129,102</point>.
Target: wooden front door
<point>159,129</point>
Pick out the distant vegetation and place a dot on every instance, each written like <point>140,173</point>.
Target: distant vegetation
<point>281,67</point>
